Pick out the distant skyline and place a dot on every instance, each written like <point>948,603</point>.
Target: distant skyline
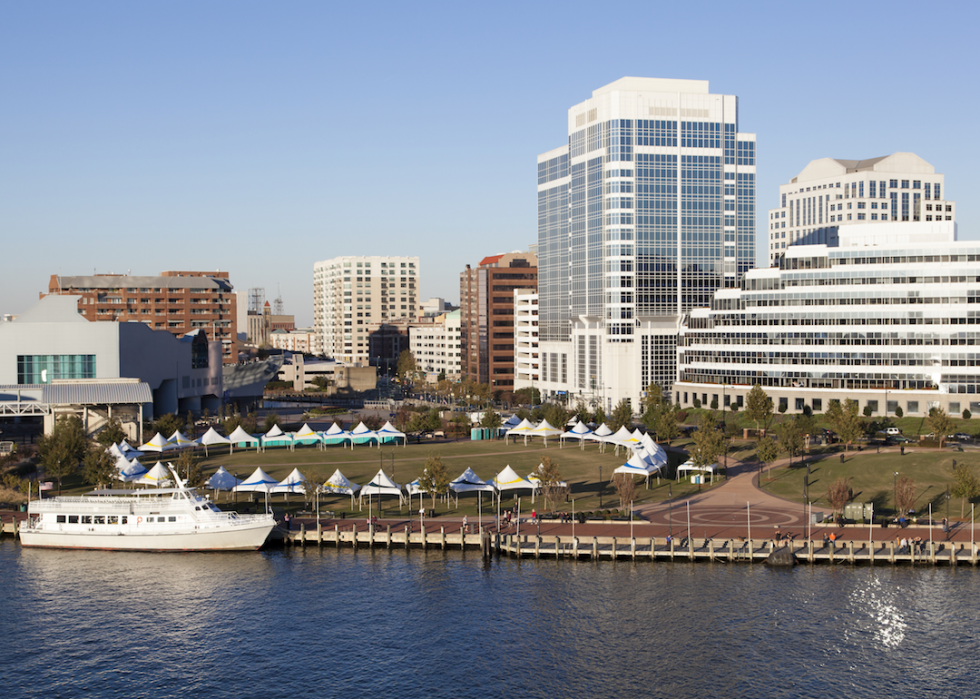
<point>259,139</point>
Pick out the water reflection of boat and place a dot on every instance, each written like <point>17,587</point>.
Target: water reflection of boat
<point>152,519</point>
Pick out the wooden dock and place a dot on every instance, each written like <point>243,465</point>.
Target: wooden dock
<point>635,548</point>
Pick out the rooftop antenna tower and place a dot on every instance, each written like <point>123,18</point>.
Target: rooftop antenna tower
<point>256,299</point>
<point>277,304</point>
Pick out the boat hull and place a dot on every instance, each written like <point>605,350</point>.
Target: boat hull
<point>239,538</point>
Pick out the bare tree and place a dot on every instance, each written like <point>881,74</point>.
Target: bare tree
<point>625,489</point>
<point>905,494</point>
<point>838,494</point>
<point>966,485</point>
<point>552,487</point>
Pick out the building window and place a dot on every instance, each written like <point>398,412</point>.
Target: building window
<point>44,368</point>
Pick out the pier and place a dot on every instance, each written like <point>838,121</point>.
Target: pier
<point>529,544</point>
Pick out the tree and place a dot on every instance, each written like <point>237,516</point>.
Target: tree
<point>527,396</point>
<point>654,394</point>
<point>625,489</point>
<point>556,415</point>
<point>622,416</point>
<point>434,479</point>
<point>167,424</point>
<point>790,437</point>
<point>965,485</point>
<point>708,443</point>
<point>100,468</point>
<point>767,450</point>
<point>899,413</point>
<point>967,414</point>
<point>940,423</point>
<point>406,366</point>
<point>551,485</point>
<point>661,419</point>
<point>189,469</point>
<point>271,420</point>
<point>868,412</point>
<point>714,404</point>
<point>696,403</point>
<point>458,424</point>
<point>112,433</point>
<point>905,495</point>
<point>845,419</point>
<point>62,450</point>
<point>432,420</point>
<point>838,494</point>
<point>599,416</point>
<point>189,425</point>
<point>491,419</point>
<point>418,422</point>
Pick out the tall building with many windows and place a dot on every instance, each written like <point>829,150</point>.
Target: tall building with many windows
<point>830,193</point>
<point>645,212</point>
<point>486,308</point>
<point>351,293</point>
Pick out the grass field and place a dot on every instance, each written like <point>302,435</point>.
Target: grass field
<point>579,468</point>
<point>873,478</point>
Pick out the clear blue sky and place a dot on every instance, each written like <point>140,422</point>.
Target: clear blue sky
<point>258,138</point>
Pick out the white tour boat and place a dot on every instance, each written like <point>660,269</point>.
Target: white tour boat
<point>152,519</point>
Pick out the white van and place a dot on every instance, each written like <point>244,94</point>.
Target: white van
<point>893,431</point>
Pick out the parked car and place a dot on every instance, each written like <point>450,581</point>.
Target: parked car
<point>893,430</point>
<point>962,437</point>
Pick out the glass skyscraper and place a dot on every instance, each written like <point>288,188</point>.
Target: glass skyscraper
<point>647,211</point>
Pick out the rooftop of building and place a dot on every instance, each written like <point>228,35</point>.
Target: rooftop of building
<point>654,85</point>
<point>167,280</point>
<point>823,168</point>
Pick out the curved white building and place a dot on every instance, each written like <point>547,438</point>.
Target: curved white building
<point>889,319</point>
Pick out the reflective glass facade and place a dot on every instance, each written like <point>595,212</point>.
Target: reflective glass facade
<point>45,368</point>
<point>649,209</point>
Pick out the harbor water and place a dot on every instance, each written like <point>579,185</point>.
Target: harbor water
<point>340,622</point>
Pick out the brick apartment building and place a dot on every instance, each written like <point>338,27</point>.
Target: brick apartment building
<point>487,316</point>
<point>178,301</point>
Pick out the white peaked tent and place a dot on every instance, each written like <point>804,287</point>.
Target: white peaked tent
<point>512,421</point>
<point>600,434</point>
<point>362,434</point>
<point>388,432</point>
<point>128,450</point>
<point>129,471</point>
<point>579,431</point>
<point>159,476</point>
<point>295,482</point>
<point>688,466</point>
<point>116,453</point>
<point>509,480</point>
<point>221,480</point>
<point>623,438</point>
<point>381,484</point>
<point>468,481</point>
<point>211,437</point>
<point>180,440</point>
<point>336,434</point>
<point>339,484</point>
<point>259,481</point>
<point>544,430</point>
<point>306,435</point>
<point>240,436</point>
<point>638,465</point>
<point>158,443</point>
<point>535,477</point>
<point>276,437</point>
<point>521,430</point>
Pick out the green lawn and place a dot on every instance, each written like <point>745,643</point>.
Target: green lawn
<point>580,468</point>
<point>873,478</point>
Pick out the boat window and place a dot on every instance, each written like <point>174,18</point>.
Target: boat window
<point>113,519</point>
<point>60,519</point>
<point>100,519</point>
<point>72,519</point>
<point>124,519</point>
<point>171,519</point>
<point>86,519</point>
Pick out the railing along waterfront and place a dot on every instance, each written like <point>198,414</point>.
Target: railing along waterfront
<point>633,548</point>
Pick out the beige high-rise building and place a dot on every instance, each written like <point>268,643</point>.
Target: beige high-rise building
<point>351,293</point>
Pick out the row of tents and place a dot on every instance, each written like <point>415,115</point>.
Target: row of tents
<point>275,437</point>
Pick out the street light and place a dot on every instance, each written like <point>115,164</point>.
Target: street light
<point>895,492</point>
<point>600,486</point>
<point>670,512</point>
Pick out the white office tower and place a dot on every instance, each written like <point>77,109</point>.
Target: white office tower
<point>526,360</point>
<point>645,212</point>
<point>351,293</point>
<point>436,346</point>
<point>829,193</point>
<point>888,318</point>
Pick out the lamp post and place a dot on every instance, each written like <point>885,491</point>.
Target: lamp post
<point>895,492</point>
<point>600,486</point>
<point>670,512</point>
